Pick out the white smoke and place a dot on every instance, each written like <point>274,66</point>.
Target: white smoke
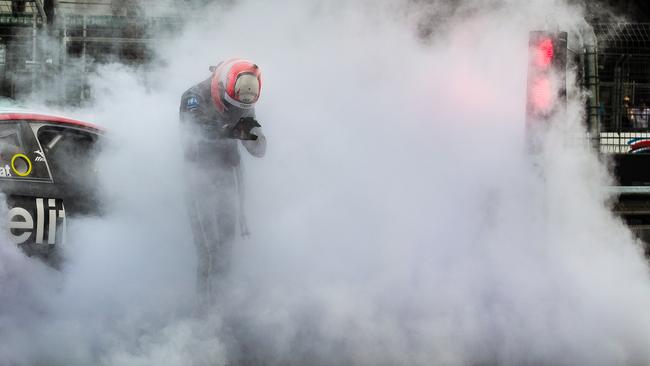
<point>395,218</point>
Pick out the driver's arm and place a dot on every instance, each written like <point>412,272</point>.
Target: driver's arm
<point>194,119</point>
<point>257,148</point>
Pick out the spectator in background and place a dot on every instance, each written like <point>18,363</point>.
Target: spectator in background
<point>644,113</point>
<point>639,116</point>
<point>627,120</point>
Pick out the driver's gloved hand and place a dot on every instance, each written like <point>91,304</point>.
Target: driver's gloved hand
<point>242,129</point>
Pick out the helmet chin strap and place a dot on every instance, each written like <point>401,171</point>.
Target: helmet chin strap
<point>237,103</point>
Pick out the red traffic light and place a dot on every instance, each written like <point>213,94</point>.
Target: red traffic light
<point>546,88</point>
<point>544,53</point>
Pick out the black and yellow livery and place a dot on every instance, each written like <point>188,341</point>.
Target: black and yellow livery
<point>47,174</point>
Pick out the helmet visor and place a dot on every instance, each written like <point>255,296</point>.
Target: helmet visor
<point>247,88</point>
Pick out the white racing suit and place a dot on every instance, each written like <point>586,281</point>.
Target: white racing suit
<point>214,186</point>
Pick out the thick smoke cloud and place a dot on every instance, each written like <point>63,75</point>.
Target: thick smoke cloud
<point>395,218</point>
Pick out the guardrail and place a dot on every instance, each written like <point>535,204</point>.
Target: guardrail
<point>618,142</point>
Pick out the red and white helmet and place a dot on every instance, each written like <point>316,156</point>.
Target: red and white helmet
<point>237,82</point>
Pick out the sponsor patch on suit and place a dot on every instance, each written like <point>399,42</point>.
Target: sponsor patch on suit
<point>192,102</point>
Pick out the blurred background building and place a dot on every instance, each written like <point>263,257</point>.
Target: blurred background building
<point>39,39</point>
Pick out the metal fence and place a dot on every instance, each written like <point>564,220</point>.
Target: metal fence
<point>621,82</point>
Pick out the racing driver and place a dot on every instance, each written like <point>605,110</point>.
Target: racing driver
<point>217,115</point>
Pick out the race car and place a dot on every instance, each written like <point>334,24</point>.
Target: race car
<point>47,173</point>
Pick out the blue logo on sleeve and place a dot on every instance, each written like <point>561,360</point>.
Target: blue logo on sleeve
<point>192,102</point>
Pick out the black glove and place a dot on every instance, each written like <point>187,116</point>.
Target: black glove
<point>242,129</point>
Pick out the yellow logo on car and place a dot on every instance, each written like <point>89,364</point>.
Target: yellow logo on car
<point>21,165</point>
